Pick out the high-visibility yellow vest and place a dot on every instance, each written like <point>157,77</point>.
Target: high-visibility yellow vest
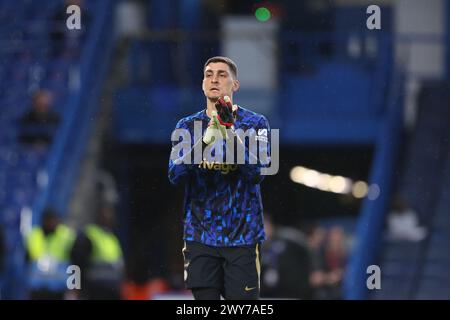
<point>56,244</point>
<point>105,245</point>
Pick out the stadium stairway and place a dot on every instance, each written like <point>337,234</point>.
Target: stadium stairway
<point>434,280</point>
<point>419,270</point>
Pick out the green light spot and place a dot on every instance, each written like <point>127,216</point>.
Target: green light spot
<point>262,14</point>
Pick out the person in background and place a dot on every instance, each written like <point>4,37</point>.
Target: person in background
<point>48,248</point>
<point>317,278</point>
<point>286,263</point>
<point>38,125</point>
<point>335,260</point>
<point>403,223</point>
<point>98,253</point>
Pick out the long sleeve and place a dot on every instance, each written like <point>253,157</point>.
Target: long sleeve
<point>178,171</point>
<point>222,193</point>
<point>252,172</point>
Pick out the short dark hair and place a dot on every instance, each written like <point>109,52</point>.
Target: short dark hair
<point>226,60</point>
<point>49,213</point>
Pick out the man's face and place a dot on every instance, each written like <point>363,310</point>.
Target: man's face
<point>42,102</point>
<point>218,81</point>
<point>49,224</point>
<point>106,217</point>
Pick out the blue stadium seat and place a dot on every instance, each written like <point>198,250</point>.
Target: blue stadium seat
<point>400,251</point>
<point>433,287</point>
<point>393,288</point>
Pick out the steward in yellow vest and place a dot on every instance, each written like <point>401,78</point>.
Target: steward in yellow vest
<point>98,253</point>
<point>48,249</point>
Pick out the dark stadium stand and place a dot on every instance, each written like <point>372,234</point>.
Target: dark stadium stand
<point>28,175</point>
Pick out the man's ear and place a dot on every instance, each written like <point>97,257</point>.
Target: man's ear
<point>236,85</point>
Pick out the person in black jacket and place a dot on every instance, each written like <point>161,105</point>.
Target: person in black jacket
<point>286,263</point>
<point>38,125</point>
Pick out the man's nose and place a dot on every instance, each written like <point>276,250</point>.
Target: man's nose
<point>215,78</point>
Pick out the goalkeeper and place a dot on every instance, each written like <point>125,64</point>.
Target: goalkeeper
<point>223,213</point>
